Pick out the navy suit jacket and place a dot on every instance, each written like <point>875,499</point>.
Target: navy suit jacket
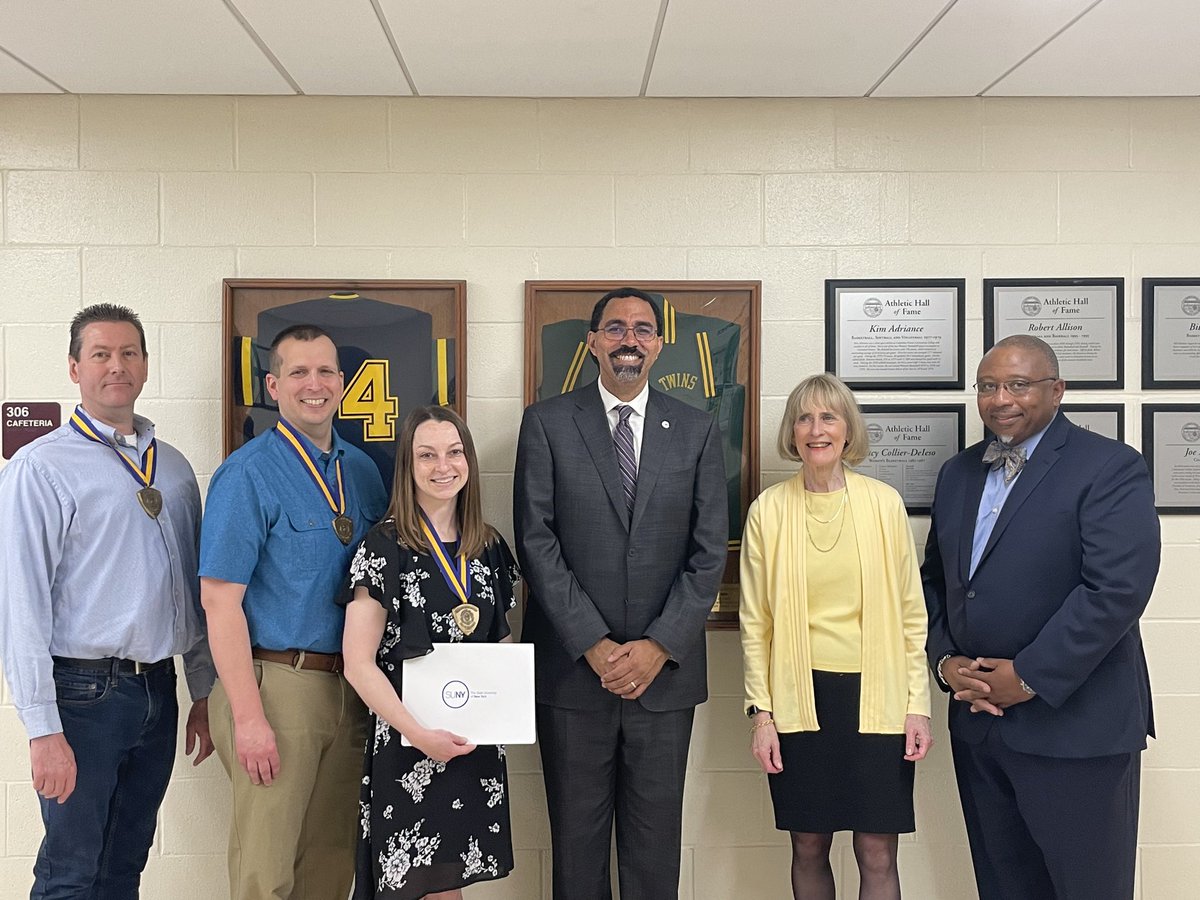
<point>1061,585</point>
<point>591,570</point>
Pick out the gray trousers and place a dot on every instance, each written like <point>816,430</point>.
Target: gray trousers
<point>625,762</point>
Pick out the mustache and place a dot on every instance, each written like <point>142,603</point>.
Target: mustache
<point>625,350</point>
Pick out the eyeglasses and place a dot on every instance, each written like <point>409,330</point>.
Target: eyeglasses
<point>615,331</point>
<point>1018,388</point>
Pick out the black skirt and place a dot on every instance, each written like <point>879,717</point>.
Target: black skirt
<point>836,779</point>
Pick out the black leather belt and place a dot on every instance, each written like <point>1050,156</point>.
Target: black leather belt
<point>124,666</point>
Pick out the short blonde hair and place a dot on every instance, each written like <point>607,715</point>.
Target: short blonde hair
<point>830,392</point>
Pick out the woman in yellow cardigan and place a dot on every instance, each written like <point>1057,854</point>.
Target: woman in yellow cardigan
<point>833,635</point>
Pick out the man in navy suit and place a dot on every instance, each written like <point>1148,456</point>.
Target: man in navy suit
<point>1043,550</point>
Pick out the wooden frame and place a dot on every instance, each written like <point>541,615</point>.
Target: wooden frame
<point>417,326</point>
<point>720,323</point>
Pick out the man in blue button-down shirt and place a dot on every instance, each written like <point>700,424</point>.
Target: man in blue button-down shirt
<point>99,524</point>
<point>283,517</point>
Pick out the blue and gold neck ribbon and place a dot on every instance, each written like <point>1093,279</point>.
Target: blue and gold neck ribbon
<point>457,580</point>
<point>284,430</point>
<point>143,474</point>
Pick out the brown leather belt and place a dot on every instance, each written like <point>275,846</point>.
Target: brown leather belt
<point>302,659</point>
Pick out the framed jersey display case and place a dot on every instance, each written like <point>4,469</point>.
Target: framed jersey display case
<point>401,344</point>
<point>709,360</point>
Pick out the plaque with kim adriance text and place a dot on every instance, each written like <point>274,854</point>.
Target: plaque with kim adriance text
<point>1171,333</point>
<point>1171,445</point>
<point>1083,319</point>
<point>909,444</point>
<point>895,334</point>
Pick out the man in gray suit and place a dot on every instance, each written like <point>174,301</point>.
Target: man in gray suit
<point>621,526</point>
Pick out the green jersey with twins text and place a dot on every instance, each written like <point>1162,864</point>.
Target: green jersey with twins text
<point>698,365</point>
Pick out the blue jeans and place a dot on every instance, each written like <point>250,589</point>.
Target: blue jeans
<point>121,728</point>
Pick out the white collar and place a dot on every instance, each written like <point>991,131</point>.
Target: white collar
<point>612,401</point>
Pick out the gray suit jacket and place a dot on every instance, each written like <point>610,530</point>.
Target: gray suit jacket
<point>593,573</point>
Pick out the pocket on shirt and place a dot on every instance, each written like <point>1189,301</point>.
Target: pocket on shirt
<point>81,687</point>
<point>307,544</point>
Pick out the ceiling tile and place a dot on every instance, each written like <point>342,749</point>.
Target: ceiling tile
<point>1120,48</point>
<point>139,47</point>
<point>975,43</point>
<point>783,48</point>
<point>599,48</point>
<point>17,79</point>
<point>327,46</point>
<point>535,48</point>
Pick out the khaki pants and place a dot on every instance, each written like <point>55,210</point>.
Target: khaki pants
<point>294,840</point>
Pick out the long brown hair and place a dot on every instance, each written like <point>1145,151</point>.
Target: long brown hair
<point>473,533</point>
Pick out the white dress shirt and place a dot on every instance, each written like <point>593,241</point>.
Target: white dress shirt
<point>637,420</point>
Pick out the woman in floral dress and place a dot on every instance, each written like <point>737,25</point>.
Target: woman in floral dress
<point>434,816</point>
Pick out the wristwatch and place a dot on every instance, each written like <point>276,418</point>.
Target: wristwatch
<point>752,711</point>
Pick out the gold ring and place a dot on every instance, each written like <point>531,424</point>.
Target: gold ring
<point>633,684</point>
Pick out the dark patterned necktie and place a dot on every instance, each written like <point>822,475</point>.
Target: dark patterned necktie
<point>1012,458</point>
<point>626,459</point>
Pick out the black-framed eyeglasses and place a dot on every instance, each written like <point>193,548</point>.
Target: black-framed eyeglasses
<point>643,332</point>
<point>1018,387</point>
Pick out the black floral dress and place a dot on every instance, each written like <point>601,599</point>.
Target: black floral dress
<point>429,826</point>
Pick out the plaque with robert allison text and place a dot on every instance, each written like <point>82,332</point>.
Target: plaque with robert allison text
<point>1083,319</point>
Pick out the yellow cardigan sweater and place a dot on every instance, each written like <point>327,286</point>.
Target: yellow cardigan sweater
<point>774,608</point>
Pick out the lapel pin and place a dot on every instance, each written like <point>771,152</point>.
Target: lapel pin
<point>666,424</point>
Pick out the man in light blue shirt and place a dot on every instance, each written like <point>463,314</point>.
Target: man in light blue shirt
<point>99,529</point>
<point>996,488</point>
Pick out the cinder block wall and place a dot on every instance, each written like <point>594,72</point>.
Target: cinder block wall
<point>151,201</point>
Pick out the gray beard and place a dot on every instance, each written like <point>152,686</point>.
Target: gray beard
<point>627,374</point>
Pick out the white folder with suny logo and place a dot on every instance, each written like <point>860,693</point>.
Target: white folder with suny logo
<point>483,692</point>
